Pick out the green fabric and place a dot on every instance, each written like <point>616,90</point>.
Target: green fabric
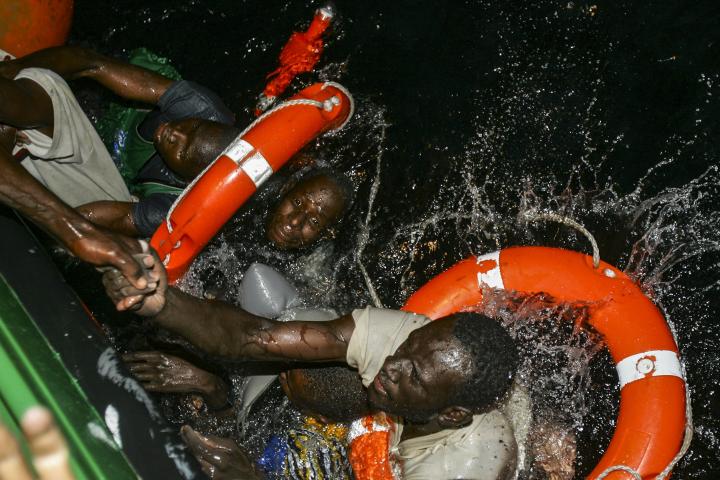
<point>144,189</point>
<point>118,130</point>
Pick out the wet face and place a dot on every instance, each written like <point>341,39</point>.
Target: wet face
<point>417,380</point>
<point>305,212</point>
<point>188,145</point>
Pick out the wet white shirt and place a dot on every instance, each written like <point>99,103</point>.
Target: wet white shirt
<point>74,164</point>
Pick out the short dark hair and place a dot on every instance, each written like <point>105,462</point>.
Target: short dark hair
<point>341,396</point>
<point>494,360</point>
<point>340,180</point>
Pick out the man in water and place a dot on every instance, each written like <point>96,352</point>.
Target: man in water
<point>188,127</point>
<point>70,186</point>
<point>441,378</point>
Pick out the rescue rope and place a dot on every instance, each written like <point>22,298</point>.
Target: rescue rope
<point>350,99</point>
<point>622,468</point>
<point>687,439</point>
<point>533,217</point>
<point>327,105</point>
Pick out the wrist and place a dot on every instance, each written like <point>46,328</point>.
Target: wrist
<point>215,392</point>
<point>71,228</point>
<point>167,315</point>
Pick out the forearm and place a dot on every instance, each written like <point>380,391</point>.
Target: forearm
<point>224,330</point>
<point>126,80</point>
<point>21,191</point>
<point>68,62</point>
<point>215,327</point>
<point>115,216</point>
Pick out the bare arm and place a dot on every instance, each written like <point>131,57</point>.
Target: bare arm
<point>24,104</point>
<point>21,191</point>
<point>222,329</point>
<point>115,216</point>
<point>126,80</point>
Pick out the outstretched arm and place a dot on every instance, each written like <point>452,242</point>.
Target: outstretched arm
<point>222,329</point>
<point>126,80</point>
<point>21,191</point>
<point>113,215</point>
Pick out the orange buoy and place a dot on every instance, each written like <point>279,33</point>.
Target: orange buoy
<point>30,25</point>
<point>652,420</point>
<point>216,194</point>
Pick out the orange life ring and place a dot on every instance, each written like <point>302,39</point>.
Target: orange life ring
<point>258,152</point>
<point>652,418</point>
<point>30,25</point>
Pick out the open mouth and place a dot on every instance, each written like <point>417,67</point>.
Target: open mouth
<point>377,383</point>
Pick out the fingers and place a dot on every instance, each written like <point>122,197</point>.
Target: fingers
<point>12,464</point>
<point>124,295</point>
<point>47,444</point>
<point>151,370</point>
<point>205,445</point>
<point>147,356</point>
<point>137,270</point>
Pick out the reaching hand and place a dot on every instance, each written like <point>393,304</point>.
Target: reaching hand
<point>130,256</point>
<point>148,301</point>
<point>50,453</point>
<point>220,458</point>
<point>160,372</point>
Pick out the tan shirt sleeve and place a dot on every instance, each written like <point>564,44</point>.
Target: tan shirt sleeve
<point>378,333</point>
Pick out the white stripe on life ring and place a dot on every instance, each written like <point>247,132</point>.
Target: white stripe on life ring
<point>257,168</point>
<point>652,363</point>
<point>491,278</point>
<point>238,150</point>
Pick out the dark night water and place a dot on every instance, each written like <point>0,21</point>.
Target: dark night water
<point>470,115</point>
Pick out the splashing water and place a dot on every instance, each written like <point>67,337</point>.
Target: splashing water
<point>468,119</point>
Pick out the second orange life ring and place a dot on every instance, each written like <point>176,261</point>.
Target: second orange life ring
<point>652,420</point>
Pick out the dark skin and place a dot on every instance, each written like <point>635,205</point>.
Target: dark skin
<point>24,105</point>
<point>220,458</point>
<point>305,212</point>
<point>233,333</point>
<point>164,373</point>
<point>97,246</point>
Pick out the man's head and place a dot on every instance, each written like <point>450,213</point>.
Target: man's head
<point>447,370</point>
<point>331,394</point>
<point>308,209</point>
<point>189,145</point>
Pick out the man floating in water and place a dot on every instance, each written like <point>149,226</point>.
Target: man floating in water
<point>443,377</point>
